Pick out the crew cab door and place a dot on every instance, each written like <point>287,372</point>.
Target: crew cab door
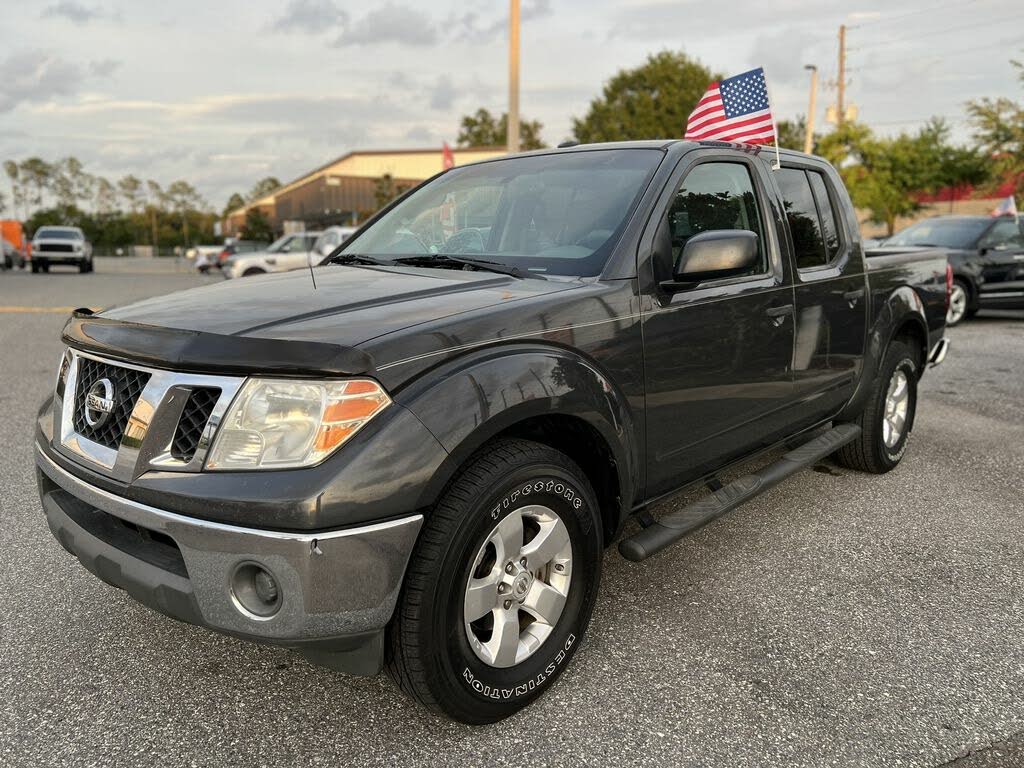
<point>1002,252</point>
<point>830,288</point>
<point>294,254</point>
<point>717,354</point>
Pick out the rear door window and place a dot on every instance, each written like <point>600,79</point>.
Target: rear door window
<point>802,214</point>
<point>826,214</point>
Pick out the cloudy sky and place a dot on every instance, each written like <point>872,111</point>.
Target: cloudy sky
<point>224,92</point>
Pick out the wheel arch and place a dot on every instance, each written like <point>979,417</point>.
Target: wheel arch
<point>901,316</point>
<point>542,393</point>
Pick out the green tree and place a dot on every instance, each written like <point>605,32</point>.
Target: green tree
<point>235,202</point>
<point>105,195</point>
<point>385,190</point>
<point>998,126</point>
<point>263,187</point>
<point>887,176</point>
<point>256,226</point>
<point>482,129</point>
<point>17,188</point>
<point>651,101</point>
<point>132,193</point>
<point>791,134</point>
<point>184,199</point>
<point>37,176</point>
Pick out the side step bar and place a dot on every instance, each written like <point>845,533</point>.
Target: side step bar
<point>675,526</point>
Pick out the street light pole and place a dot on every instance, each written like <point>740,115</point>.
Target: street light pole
<point>809,135</point>
<point>841,85</point>
<point>513,76</point>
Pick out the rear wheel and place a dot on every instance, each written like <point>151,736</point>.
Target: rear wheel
<point>959,301</point>
<point>888,416</point>
<point>35,267</point>
<point>252,271</point>
<point>500,588</point>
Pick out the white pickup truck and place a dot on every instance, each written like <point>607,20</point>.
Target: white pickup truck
<point>61,245</point>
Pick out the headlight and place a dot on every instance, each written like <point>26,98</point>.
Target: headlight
<point>282,423</point>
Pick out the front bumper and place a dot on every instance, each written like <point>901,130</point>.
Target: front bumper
<point>338,588</point>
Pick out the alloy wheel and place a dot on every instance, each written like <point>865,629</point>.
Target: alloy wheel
<point>518,586</point>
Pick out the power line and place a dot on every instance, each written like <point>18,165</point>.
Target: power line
<point>889,19</point>
<point>876,64</point>
<point>932,33</point>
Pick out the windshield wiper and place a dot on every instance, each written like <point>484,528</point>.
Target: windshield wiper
<point>357,258</point>
<point>445,259</point>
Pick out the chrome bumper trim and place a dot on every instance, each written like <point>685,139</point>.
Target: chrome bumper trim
<point>333,583</point>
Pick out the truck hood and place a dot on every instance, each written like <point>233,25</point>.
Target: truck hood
<point>349,306</point>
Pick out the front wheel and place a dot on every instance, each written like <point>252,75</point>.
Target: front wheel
<point>500,588</point>
<point>888,416</point>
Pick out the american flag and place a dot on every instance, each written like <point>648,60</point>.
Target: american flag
<point>735,109</point>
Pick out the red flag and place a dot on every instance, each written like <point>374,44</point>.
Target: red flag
<point>447,157</point>
<point>734,110</point>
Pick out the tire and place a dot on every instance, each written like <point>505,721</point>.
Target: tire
<point>959,303</point>
<point>85,266</point>
<point>35,267</point>
<point>434,654</point>
<point>253,271</point>
<point>875,451</point>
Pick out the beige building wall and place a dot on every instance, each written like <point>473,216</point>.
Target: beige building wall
<point>418,164</point>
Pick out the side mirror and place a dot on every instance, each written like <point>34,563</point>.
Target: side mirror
<point>714,254</point>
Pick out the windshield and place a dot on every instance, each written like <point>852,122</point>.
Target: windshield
<point>549,214</point>
<point>942,233</point>
<point>58,234</point>
<point>280,244</point>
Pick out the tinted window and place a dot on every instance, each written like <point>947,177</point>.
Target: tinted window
<point>716,196</point>
<point>1005,233</point>
<point>941,233</point>
<point>557,213</point>
<point>826,214</point>
<point>802,214</point>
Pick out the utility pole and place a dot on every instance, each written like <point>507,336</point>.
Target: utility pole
<point>513,76</point>
<point>841,86</point>
<point>812,107</point>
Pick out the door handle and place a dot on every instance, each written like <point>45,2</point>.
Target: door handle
<point>852,297</point>
<point>778,314</point>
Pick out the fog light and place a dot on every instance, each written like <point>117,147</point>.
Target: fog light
<point>254,591</point>
<point>266,587</point>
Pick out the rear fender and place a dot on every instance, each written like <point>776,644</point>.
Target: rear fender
<point>902,310</point>
<point>470,400</point>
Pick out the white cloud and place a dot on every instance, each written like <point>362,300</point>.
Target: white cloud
<point>35,76</point>
<point>391,23</point>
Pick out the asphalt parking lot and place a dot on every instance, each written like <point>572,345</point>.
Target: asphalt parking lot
<point>841,619</point>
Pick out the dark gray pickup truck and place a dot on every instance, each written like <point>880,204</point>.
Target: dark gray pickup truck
<point>419,461</point>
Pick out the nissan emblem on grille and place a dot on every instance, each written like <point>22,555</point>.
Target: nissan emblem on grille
<point>99,403</point>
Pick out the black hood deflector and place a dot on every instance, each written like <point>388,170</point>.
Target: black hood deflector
<point>201,352</point>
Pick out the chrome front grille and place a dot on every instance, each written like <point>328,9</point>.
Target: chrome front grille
<point>127,385</point>
<point>193,422</point>
<point>157,419</point>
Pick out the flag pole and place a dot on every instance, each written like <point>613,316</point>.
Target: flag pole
<point>775,126</point>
